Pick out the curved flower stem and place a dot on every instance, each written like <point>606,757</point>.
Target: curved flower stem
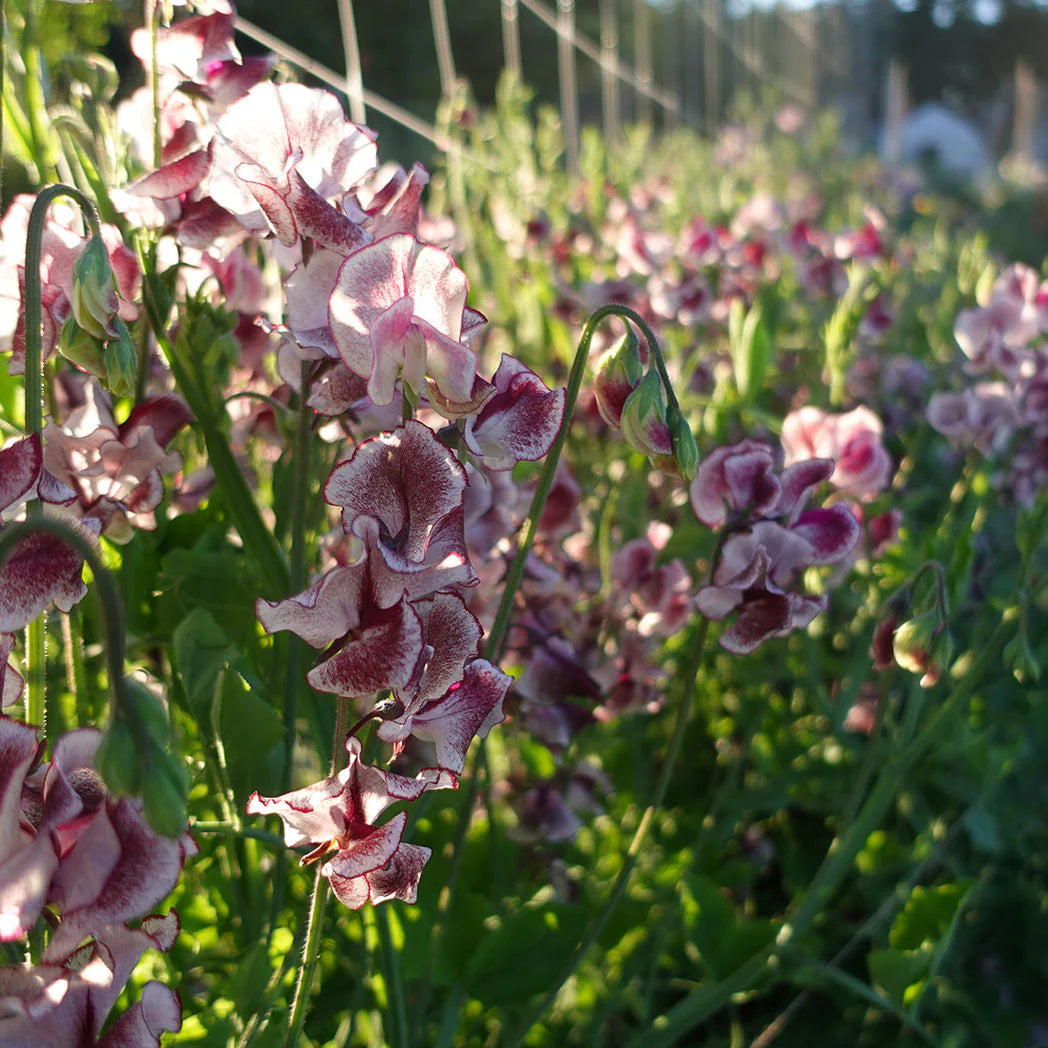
<point>514,575</point>
<point>36,633</point>
<point>708,999</point>
<point>315,920</point>
<point>493,643</point>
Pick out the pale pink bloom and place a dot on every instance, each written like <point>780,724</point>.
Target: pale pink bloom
<point>862,466</point>
<point>281,155</point>
<point>398,309</point>
<point>116,470</point>
<point>984,416</point>
<point>371,863</point>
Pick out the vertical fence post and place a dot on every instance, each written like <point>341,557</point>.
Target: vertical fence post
<point>1025,111</point>
<point>354,79</point>
<point>609,60</point>
<point>569,92</point>
<point>511,38</point>
<point>442,39</point>
<point>895,111</point>
<point>713,65</point>
<point>643,56</point>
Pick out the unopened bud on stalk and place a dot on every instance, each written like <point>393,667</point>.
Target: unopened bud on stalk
<point>619,372</point>
<point>82,348</point>
<point>120,358</point>
<point>644,418</point>
<point>923,645</point>
<point>95,300</point>
<point>685,450</point>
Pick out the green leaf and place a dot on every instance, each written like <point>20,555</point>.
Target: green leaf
<point>899,974</point>
<point>523,952</point>
<point>201,650</point>
<point>250,729</point>
<point>750,352</point>
<point>927,914</point>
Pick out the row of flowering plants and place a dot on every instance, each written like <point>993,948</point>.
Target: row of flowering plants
<point>510,609</point>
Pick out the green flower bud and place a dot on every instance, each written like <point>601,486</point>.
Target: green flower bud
<point>95,299</point>
<point>619,372</point>
<point>120,358</point>
<point>685,450</point>
<point>923,645</point>
<point>84,350</point>
<point>644,418</point>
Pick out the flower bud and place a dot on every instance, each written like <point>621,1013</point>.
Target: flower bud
<point>95,300</point>
<point>619,372</point>
<point>83,349</point>
<point>643,418</point>
<point>922,645</point>
<point>685,450</point>
<point>118,758</point>
<point>120,358</point>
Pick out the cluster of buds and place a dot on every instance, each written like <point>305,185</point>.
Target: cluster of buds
<point>630,397</point>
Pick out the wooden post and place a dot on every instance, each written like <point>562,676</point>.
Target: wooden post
<point>442,40</point>
<point>894,111</point>
<point>712,65</point>
<point>609,60</point>
<point>569,92</point>
<point>643,56</point>
<point>1024,118</point>
<point>511,38</point>
<point>354,79</point>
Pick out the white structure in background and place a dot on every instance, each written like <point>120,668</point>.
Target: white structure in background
<point>933,134</point>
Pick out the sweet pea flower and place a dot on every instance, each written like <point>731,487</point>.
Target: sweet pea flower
<point>371,863</point>
<point>760,562</point>
<point>280,155</point>
<point>398,308</point>
<point>862,467</point>
<point>66,999</point>
<point>519,422</point>
<point>470,708</point>
<point>411,489</point>
<point>115,469</point>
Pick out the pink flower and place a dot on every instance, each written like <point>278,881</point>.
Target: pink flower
<point>371,862</point>
<point>862,467</point>
<point>760,562</point>
<point>399,309</point>
<point>281,155</point>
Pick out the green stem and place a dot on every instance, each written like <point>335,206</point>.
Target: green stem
<point>36,631</point>
<point>258,540</point>
<point>315,920</point>
<point>394,982</point>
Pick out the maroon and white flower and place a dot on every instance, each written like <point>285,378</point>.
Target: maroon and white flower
<point>519,422</point>
<point>371,863</point>
<point>760,562</point>
<point>66,999</point>
<point>407,491</point>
